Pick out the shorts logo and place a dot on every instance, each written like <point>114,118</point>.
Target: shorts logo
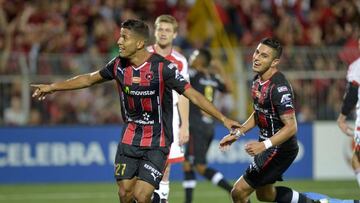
<point>154,173</point>
<point>154,176</point>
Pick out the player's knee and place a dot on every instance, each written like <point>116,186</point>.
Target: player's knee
<point>186,166</point>
<point>239,193</point>
<point>235,193</point>
<point>142,197</point>
<point>355,162</point>
<point>124,192</point>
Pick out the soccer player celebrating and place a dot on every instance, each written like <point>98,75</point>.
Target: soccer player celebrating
<point>351,99</point>
<point>202,125</point>
<point>274,114</point>
<point>165,32</point>
<point>145,82</point>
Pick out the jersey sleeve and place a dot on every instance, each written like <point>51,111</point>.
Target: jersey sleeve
<point>185,70</point>
<point>350,98</point>
<point>173,79</point>
<point>107,72</point>
<point>283,99</point>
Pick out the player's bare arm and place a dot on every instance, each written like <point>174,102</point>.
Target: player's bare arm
<point>286,132</point>
<point>344,127</point>
<point>290,128</point>
<point>77,82</point>
<point>227,140</point>
<point>199,100</point>
<point>184,116</point>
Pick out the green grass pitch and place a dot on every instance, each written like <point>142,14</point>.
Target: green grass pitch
<point>205,192</point>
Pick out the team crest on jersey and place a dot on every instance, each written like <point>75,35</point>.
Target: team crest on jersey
<point>257,94</point>
<point>149,76</point>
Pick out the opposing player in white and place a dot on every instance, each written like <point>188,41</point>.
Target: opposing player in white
<point>165,32</point>
<point>351,99</point>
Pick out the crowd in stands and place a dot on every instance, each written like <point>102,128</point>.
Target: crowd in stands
<point>84,33</point>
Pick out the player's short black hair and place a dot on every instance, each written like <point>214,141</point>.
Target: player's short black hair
<point>137,26</point>
<point>206,55</point>
<point>273,43</point>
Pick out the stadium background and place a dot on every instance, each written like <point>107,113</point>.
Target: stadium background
<point>48,148</point>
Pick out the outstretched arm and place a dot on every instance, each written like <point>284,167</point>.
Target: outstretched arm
<point>232,137</point>
<point>77,82</point>
<point>199,100</point>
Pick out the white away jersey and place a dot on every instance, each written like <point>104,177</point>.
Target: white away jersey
<point>353,76</point>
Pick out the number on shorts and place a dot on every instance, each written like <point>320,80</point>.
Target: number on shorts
<point>120,169</point>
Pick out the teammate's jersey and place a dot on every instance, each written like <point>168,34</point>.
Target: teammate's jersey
<point>146,98</point>
<point>176,152</point>
<point>353,76</point>
<point>181,63</point>
<point>206,84</point>
<point>272,98</point>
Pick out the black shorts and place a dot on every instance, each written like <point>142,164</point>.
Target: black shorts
<point>199,143</point>
<point>269,166</point>
<point>148,164</point>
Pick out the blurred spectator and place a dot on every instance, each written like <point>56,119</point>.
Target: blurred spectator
<point>331,108</point>
<point>35,117</point>
<point>84,33</point>
<point>223,101</point>
<point>75,26</point>
<point>15,115</point>
<point>306,114</point>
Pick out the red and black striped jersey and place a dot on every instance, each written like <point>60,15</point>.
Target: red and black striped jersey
<point>146,98</point>
<point>272,98</point>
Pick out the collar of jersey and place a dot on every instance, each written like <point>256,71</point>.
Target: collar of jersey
<point>263,82</point>
<point>142,65</point>
<point>139,67</point>
<point>169,54</point>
